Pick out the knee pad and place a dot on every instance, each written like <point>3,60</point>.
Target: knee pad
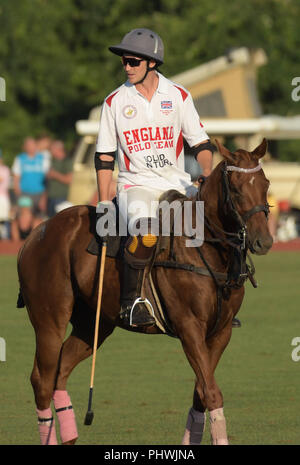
<point>139,250</point>
<point>132,244</point>
<point>149,240</point>
<point>141,245</point>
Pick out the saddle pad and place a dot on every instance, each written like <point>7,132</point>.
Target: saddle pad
<point>113,246</point>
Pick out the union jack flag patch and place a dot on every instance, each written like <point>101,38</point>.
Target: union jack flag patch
<point>166,104</point>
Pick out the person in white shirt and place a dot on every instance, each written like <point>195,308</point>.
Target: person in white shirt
<point>145,121</point>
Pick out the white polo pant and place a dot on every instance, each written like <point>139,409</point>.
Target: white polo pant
<point>136,202</point>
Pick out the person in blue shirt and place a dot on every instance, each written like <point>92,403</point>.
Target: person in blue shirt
<point>29,175</point>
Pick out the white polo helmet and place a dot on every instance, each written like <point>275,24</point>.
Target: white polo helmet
<point>143,43</point>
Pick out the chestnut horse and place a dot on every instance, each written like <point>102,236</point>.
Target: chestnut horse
<point>200,288</point>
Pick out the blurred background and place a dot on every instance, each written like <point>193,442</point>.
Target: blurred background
<point>238,60</point>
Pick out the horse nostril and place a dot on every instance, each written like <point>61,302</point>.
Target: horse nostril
<point>257,245</point>
<point>261,247</point>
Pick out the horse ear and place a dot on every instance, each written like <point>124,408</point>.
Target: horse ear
<point>260,149</point>
<point>225,152</point>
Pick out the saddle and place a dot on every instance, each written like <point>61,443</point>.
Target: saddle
<point>115,249</point>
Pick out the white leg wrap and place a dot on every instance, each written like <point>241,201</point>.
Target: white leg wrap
<point>194,428</point>
<point>218,427</point>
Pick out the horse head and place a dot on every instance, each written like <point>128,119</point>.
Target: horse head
<point>244,196</point>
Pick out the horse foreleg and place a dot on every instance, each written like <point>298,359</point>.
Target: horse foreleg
<point>218,430</point>
<point>216,347</point>
<point>194,429</point>
<point>195,425</point>
<point>208,393</point>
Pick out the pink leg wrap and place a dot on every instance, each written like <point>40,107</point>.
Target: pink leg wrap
<point>46,424</point>
<point>218,427</point>
<point>65,415</point>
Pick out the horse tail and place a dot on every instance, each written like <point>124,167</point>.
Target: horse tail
<point>20,301</point>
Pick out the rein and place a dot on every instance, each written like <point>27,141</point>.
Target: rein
<point>239,271</point>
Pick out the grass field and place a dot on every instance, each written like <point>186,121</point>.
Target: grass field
<point>143,384</point>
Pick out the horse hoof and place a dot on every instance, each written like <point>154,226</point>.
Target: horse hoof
<point>70,443</point>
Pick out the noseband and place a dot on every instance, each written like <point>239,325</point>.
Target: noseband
<point>229,203</point>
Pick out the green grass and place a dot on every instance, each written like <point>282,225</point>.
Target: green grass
<point>143,384</point>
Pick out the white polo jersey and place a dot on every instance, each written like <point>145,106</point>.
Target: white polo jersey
<point>149,135</point>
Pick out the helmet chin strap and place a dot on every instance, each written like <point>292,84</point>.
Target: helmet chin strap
<point>146,74</point>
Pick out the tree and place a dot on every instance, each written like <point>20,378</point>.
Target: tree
<point>55,59</point>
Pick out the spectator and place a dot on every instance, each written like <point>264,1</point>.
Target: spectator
<point>59,177</point>
<point>24,222</point>
<point>43,145</point>
<point>4,198</point>
<point>29,175</point>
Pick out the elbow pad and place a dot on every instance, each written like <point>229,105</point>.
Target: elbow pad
<point>199,148</point>
<point>104,164</point>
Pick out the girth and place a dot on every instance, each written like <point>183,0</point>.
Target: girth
<point>189,267</point>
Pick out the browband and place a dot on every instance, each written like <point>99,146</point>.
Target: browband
<point>244,170</point>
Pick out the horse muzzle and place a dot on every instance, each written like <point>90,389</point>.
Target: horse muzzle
<point>260,245</point>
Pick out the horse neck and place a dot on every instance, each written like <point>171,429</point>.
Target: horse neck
<point>211,193</point>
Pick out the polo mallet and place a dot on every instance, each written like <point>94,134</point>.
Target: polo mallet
<point>90,414</point>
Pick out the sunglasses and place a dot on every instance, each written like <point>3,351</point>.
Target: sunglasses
<point>132,62</point>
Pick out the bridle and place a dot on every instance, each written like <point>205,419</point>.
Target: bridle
<point>238,270</point>
<point>241,219</point>
<point>240,237</point>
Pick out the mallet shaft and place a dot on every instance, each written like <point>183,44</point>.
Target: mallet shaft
<point>89,414</point>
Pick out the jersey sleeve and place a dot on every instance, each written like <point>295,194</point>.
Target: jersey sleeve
<point>107,135</point>
<point>192,128</point>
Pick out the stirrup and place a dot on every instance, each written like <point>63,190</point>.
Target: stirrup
<point>147,304</point>
<point>128,313</point>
